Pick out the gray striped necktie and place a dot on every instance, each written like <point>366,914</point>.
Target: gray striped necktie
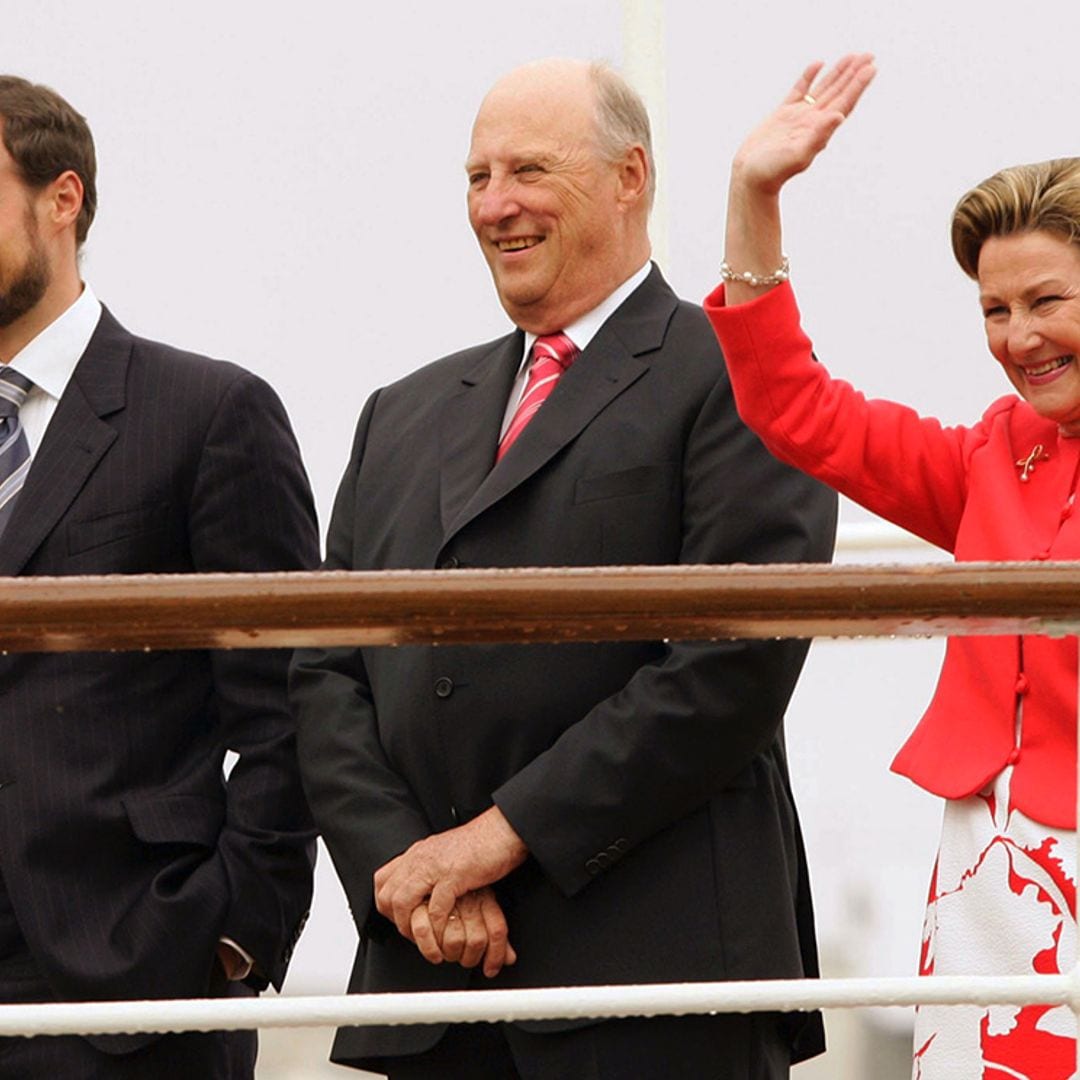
<point>14,448</point>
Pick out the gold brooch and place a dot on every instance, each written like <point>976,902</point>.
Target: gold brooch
<point>1027,465</point>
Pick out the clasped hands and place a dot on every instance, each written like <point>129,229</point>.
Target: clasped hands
<point>438,892</point>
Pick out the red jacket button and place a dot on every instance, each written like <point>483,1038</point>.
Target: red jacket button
<point>1023,684</point>
<point>1014,757</point>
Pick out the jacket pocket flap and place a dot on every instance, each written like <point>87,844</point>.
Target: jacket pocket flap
<point>634,481</point>
<point>118,525</point>
<point>175,819</point>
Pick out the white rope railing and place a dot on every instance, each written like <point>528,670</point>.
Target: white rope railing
<point>472,1006</point>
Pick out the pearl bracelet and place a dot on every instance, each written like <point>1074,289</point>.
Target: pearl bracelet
<point>747,277</point>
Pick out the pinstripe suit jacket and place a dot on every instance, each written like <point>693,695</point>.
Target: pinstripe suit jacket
<point>124,852</point>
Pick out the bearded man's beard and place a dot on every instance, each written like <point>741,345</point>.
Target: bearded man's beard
<point>26,291</point>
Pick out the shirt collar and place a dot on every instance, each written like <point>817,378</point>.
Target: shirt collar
<point>583,330</point>
<point>49,359</point>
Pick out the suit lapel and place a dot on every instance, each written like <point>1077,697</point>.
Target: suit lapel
<point>74,443</point>
<point>614,360</point>
<point>470,423</point>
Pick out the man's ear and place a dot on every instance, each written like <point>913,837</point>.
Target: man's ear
<point>633,176</point>
<point>63,199</point>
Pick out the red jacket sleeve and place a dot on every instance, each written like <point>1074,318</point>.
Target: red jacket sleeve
<point>907,468</point>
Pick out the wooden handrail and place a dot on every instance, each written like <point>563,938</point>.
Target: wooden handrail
<point>68,614</point>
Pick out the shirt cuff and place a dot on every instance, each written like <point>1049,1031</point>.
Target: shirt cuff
<point>249,960</point>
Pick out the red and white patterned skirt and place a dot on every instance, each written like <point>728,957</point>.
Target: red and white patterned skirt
<point>1002,902</point>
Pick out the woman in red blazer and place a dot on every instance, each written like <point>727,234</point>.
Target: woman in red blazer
<point>999,738</point>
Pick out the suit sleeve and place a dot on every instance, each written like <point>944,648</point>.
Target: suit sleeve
<point>251,510</point>
<point>683,728</point>
<point>367,813</point>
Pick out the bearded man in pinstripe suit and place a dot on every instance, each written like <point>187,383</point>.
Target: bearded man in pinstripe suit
<point>129,866</point>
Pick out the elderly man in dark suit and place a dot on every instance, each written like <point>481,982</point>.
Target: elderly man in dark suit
<point>129,866</point>
<point>572,814</point>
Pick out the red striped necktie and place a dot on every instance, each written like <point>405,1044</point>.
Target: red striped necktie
<point>552,355</point>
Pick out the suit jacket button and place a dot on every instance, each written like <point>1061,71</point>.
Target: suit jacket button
<point>604,860</point>
<point>622,845</point>
<point>444,687</point>
<point>449,563</point>
<point>593,866</point>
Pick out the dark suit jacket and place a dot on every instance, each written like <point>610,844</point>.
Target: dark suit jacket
<point>124,852</point>
<point>648,779</point>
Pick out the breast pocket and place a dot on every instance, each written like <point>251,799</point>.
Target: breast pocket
<point>640,480</point>
<point>639,511</point>
<point>117,526</point>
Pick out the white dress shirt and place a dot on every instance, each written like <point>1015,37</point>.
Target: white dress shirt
<point>580,332</point>
<point>49,359</point>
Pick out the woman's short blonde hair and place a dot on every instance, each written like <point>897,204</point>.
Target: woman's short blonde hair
<point>1045,195</point>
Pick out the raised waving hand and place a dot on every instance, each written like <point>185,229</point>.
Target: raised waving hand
<point>782,146</point>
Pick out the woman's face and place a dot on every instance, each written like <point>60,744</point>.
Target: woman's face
<point>1029,287</point>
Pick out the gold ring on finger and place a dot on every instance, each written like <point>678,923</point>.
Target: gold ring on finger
<point>809,99</point>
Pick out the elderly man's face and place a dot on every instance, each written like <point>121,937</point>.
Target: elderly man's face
<point>545,206</point>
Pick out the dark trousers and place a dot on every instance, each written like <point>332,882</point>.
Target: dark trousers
<point>212,1055</point>
<point>724,1047</point>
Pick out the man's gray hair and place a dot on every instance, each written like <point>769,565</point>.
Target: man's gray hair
<point>622,120</point>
